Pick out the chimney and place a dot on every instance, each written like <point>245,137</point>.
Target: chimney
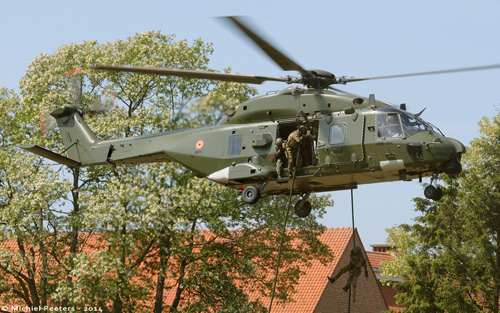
<point>382,248</point>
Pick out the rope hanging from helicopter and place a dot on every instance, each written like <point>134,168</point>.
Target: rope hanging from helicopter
<point>353,244</point>
<point>285,223</point>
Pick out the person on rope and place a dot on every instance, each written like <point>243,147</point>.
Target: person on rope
<point>295,139</point>
<point>357,261</point>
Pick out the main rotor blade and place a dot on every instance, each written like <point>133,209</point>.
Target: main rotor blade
<point>464,69</point>
<point>238,78</point>
<point>277,56</point>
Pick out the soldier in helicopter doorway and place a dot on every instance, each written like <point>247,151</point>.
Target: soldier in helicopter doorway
<point>280,155</point>
<point>295,139</point>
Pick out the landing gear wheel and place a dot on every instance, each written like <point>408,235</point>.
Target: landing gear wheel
<point>303,210</point>
<point>430,192</point>
<point>433,193</point>
<point>251,194</point>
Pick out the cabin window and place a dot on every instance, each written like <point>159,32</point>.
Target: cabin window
<point>234,145</point>
<point>389,126</point>
<point>337,134</point>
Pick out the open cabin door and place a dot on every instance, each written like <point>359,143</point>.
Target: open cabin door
<point>286,128</point>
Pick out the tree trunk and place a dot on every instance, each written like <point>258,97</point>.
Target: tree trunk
<point>162,271</point>
<point>178,292</point>
<point>30,277</point>
<point>118,301</point>
<point>182,271</point>
<point>75,193</point>
<point>45,265</point>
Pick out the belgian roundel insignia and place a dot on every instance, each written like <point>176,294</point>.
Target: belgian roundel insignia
<point>199,144</point>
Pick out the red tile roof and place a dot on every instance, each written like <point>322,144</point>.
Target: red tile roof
<point>313,283</point>
<point>313,292</point>
<point>388,293</point>
<point>376,257</point>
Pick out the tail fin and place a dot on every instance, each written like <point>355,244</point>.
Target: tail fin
<point>79,140</point>
<point>80,143</point>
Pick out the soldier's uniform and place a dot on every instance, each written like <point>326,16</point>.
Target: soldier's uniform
<point>354,268</point>
<point>292,145</point>
<point>307,148</point>
<point>280,155</point>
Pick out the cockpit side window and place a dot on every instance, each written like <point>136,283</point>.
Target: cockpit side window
<point>389,125</point>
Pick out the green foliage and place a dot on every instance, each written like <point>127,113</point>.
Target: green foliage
<point>129,236</point>
<point>451,255</point>
<point>30,193</point>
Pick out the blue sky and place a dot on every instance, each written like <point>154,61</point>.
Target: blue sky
<point>352,38</point>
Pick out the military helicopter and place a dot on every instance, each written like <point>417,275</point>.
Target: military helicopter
<point>353,140</point>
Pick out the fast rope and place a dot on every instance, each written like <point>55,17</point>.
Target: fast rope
<point>352,213</point>
<point>284,229</point>
<point>353,245</point>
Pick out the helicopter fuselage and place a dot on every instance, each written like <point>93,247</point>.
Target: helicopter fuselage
<point>355,141</point>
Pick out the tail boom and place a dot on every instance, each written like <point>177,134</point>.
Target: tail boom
<point>83,148</point>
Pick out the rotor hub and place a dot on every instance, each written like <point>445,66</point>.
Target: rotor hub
<point>318,79</point>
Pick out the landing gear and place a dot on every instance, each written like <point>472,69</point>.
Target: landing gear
<point>251,194</point>
<point>303,207</point>
<point>303,210</point>
<point>433,192</point>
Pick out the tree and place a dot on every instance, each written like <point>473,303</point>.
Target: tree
<point>132,233</point>
<point>451,255</point>
<point>29,194</point>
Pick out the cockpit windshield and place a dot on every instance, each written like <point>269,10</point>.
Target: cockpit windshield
<point>398,124</point>
<point>413,125</point>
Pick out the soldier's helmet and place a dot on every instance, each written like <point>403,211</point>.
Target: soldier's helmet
<point>302,130</point>
<point>356,250</point>
<point>279,141</point>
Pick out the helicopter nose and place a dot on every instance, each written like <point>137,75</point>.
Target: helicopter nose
<point>451,150</point>
<point>454,146</point>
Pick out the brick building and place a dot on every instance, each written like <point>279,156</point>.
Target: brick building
<point>315,294</point>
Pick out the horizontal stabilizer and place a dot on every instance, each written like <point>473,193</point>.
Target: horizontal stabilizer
<point>51,155</point>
